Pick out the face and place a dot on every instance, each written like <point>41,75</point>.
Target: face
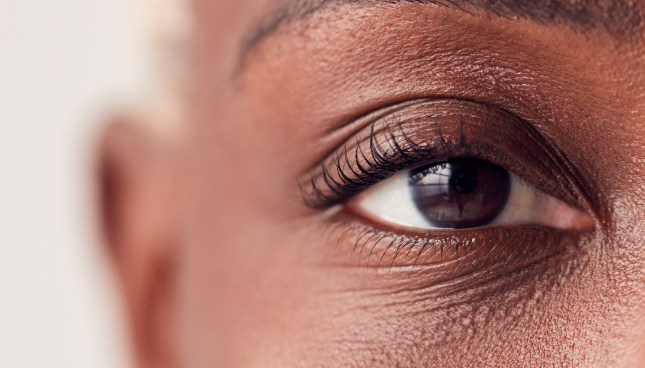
<point>388,184</point>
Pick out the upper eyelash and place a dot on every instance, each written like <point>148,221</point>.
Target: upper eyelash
<point>382,163</point>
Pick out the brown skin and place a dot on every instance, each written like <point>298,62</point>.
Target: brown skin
<point>223,265</point>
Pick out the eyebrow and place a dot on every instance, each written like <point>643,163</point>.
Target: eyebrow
<point>620,19</point>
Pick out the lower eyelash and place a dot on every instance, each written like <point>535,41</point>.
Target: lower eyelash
<point>446,255</point>
<point>366,240</point>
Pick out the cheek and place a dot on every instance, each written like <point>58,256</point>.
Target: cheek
<point>276,304</point>
<point>243,274</point>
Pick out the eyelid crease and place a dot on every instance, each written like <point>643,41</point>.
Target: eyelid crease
<point>435,129</point>
<point>350,126</point>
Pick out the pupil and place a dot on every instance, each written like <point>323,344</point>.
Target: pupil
<point>460,193</point>
<point>463,180</point>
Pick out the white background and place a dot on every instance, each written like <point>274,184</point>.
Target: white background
<point>64,66</point>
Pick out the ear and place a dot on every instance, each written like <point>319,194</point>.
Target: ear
<point>139,200</point>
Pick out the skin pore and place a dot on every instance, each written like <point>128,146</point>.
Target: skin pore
<point>225,263</point>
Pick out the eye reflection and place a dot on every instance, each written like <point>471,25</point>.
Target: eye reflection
<point>463,193</point>
<point>459,193</point>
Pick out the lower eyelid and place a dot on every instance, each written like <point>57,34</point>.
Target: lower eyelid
<point>454,258</point>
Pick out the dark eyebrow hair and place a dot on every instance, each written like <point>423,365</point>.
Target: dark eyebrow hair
<point>621,19</point>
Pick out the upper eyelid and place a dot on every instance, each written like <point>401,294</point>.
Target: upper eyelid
<point>327,184</point>
<point>390,116</point>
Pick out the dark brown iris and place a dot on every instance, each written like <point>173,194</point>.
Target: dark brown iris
<point>460,193</point>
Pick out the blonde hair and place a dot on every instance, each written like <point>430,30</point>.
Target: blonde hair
<point>167,30</point>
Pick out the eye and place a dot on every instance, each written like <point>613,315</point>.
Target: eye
<point>457,188</point>
<point>461,193</point>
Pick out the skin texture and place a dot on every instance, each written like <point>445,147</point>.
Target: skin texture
<point>223,265</point>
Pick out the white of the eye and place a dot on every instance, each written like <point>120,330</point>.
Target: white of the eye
<point>391,201</point>
<point>528,205</point>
